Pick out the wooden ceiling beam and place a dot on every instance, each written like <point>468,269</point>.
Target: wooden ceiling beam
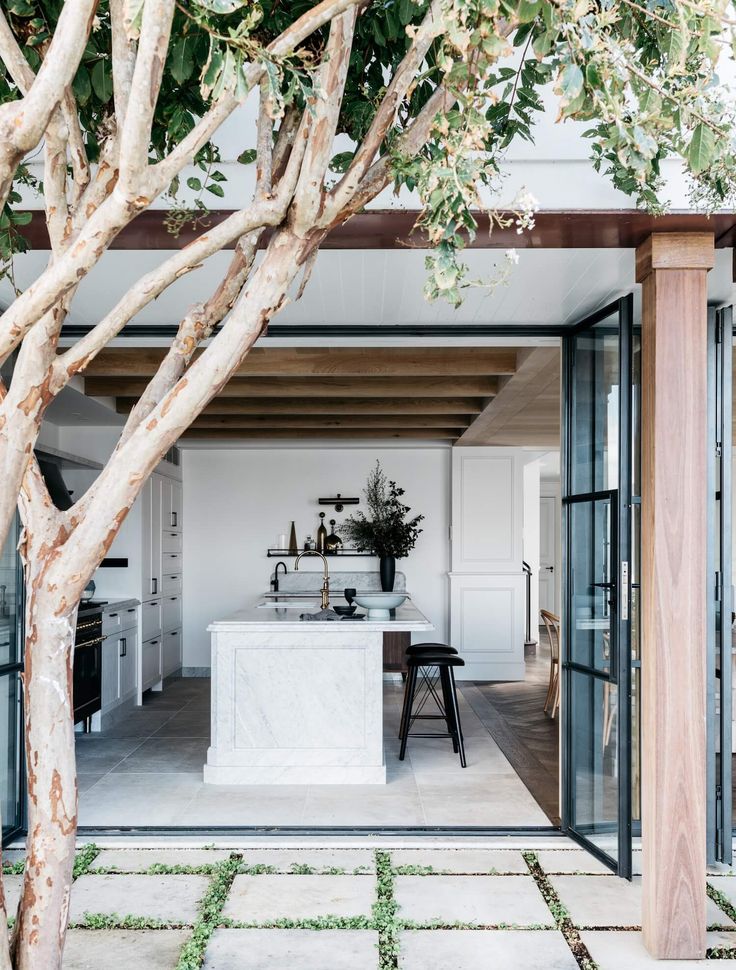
<point>333,405</point>
<point>326,362</point>
<point>318,386</point>
<point>426,434</point>
<point>457,422</point>
<point>527,406</point>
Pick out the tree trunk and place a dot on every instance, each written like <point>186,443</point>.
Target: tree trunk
<point>38,937</point>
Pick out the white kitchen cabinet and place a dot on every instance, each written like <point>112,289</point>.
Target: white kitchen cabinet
<point>177,505</point>
<point>151,499</point>
<point>171,652</point>
<point>151,670</point>
<point>128,663</point>
<point>171,613</point>
<point>151,619</point>
<point>110,673</point>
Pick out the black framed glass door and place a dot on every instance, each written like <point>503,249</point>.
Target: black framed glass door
<point>11,654</point>
<point>600,417</point>
<point>720,603</point>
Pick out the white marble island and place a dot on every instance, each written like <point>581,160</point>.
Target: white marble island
<point>297,701</point>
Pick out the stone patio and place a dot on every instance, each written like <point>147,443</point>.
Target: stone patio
<point>380,905</point>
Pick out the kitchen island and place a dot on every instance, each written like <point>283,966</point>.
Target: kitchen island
<point>299,702</point>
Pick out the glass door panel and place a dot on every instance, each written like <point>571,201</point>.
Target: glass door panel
<point>11,628</point>
<point>597,502</point>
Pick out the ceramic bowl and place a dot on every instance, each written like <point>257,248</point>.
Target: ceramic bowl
<point>344,610</point>
<point>379,605</point>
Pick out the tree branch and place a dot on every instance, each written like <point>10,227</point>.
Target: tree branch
<point>135,136</point>
<point>403,79</point>
<point>123,61</point>
<point>310,190</point>
<point>23,122</point>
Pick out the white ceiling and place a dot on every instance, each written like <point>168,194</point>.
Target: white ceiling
<point>374,287</point>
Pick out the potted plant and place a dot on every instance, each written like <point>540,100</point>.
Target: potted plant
<point>385,531</point>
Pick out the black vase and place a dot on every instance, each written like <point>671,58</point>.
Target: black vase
<point>387,565</point>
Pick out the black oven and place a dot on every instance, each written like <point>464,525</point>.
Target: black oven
<point>88,666</point>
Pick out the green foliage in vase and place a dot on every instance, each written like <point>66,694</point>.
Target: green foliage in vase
<point>388,531</point>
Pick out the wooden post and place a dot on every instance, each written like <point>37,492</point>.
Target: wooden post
<point>673,268</point>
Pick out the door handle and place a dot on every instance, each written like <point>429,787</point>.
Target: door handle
<point>624,590</point>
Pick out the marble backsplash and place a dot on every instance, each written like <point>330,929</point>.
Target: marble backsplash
<point>364,582</point>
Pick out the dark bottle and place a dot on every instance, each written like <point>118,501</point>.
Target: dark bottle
<point>321,533</point>
<point>293,547</point>
<point>332,542</point>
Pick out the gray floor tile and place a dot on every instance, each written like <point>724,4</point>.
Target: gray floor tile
<point>483,861</point>
<point>166,754</point>
<point>138,860</point>
<point>137,724</point>
<point>480,900</point>
<point>474,949</point>
<point>132,799</point>
<point>86,780</point>
<point>596,901</point>
<point>186,724</point>
<point>478,799</point>
<point>170,899</point>
<point>615,951</point>
<point>260,899</point>
<point>123,949</point>
<point>99,755</point>
<point>295,949</point>
<point>395,803</point>
<point>245,805</point>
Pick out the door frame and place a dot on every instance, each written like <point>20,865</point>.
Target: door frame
<point>620,668</point>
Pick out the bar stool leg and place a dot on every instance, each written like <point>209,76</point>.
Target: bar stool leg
<point>411,682</point>
<point>456,716</point>
<point>451,727</point>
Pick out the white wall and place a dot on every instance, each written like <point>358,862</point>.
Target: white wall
<point>237,501</point>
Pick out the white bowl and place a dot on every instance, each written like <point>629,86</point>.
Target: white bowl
<point>379,605</point>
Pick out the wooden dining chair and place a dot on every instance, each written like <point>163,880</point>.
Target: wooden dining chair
<point>552,625</point>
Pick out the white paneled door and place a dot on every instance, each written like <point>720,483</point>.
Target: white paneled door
<point>487,590</point>
<point>547,553</point>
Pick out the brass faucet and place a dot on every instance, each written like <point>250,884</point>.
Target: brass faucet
<point>325,580</point>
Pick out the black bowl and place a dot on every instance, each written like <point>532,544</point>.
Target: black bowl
<point>344,610</point>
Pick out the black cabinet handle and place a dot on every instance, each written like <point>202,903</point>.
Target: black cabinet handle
<point>132,610</point>
<point>154,583</point>
<point>124,646</point>
<point>173,519</point>
<point>112,614</point>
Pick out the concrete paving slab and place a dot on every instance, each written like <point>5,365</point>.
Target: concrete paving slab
<point>613,951</point>
<point>596,901</point>
<point>12,886</point>
<point>481,861</point>
<point>261,899</point>
<point>170,899</point>
<point>295,949</point>
<point>472,949</point>
<point>321,860</point>
<point>123,949</point>
<point>570,861</point>
<point>480,900</point>
<point>138,860</point>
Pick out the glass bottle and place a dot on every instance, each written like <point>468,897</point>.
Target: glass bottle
<point>309,543</point>
<point>321,533</point>
<point>333,542</point>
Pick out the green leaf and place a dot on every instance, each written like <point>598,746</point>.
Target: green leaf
<point>194,184</point>
<point>247,157</point>
<point>570,84</point>
<point>102,80</point>
<point>81,86</point>
<point>528,10</point>
<point>182,59</point>
<point>702,149</point>
<point>341,161</point>
<point>216,190</point>
<point>406,11</point>
<point>221,6</point>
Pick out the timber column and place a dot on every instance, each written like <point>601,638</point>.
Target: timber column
<point>673,268</point>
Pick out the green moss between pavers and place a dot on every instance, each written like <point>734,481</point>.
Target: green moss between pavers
<point>113,921</point>
<point>210,911</point>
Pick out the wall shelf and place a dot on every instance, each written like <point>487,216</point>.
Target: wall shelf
<point>342,554</point>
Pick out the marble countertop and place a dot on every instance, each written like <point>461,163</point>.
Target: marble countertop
<point>407,619</point>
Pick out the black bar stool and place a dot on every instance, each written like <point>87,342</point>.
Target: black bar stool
<point>435,665</point>
<point>420,649</point>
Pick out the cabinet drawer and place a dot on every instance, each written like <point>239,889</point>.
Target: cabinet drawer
<point>111,622</point>
<point>171,613</point>
<point>171,542</point>
<point>171,652</point>
<point>150,662</point>
<point>151,619</point>
<point>129,618</point>
<point>171,584</point>
<point>171,563</point>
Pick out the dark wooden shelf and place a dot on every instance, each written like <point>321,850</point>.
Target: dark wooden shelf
<point>273,553</point>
